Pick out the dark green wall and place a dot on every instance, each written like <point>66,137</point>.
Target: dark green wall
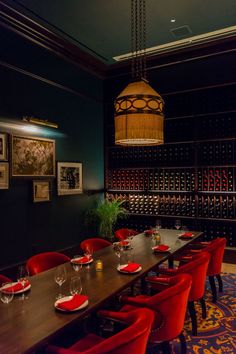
<point>28,227</point>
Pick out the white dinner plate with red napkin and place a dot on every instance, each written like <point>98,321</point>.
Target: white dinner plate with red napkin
<point>186,235</point>
<point>16,287</point>
<point>129,268</point>
<point>161,248</point>
<point>82,260</point>
<point>71,303</point>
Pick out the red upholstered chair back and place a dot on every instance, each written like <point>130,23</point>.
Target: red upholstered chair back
<point>122,234</point>
<point>4,279</point>
<point>171,303</point>
<point>132,340</point>
<point>44,261</point>
<point>94,243</point>
<point>197,268</point>
<point>216,249</point>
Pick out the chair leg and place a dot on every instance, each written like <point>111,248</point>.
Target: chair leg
<point>218,277</point>
<point>183,343</point>
<point>166,347</point>
<point>203,305</point>
<point>193,317</point>
<point>213,288</point>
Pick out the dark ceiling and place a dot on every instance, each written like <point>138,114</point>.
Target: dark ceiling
<point>102,27</point>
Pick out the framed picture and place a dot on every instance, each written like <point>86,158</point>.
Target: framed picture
<point>3,146</point>
<point>4,175</point>
<point>41,191</point>
<point>32,156</point>
<point>69,178</point>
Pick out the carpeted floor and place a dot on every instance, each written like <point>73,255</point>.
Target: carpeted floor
<point>217,333</point>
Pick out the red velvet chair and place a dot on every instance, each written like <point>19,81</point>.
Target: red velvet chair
<point>123,234</point>
<point>216,249</point>
<point>196,266</point>
<point>44,261</point>
<point>169,307</point>
<point>94,244</point>
<point>131,340</point>
<point>4,279</point>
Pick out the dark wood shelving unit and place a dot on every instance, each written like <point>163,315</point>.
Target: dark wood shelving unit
<point>192,176</point>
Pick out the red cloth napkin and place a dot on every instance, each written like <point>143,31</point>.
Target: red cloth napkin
<point>17,287</point>
<point>131,267</point>
<point>187,234</point>
<point>84,259</point>
<point>74,303</point>
<point>149,232</point>
<point>161,248</point>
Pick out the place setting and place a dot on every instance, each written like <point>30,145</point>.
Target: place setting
<point>185,234</point>
<point>73,302</point>
<point>127,264</point>
<point>78,261</point>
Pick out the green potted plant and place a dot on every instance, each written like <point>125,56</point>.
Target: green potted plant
<point>106,214</point>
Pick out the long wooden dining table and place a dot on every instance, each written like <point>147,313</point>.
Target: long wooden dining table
<point>27,326</point>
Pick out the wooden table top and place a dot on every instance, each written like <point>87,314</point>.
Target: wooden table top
<point>27,325</point>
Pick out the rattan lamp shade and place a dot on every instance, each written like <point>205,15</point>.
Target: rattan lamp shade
<point>138,116</point>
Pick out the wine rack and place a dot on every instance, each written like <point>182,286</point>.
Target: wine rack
<point>192,176</point>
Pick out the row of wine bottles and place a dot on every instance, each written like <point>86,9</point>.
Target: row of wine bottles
<point>208,179</point>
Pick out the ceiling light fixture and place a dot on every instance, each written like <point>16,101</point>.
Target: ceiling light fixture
<point>139,115</point>
<point>38,121</point>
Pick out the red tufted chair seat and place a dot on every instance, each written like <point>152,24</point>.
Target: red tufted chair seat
<point>94,243</point>
<point>131,340</point>
<point>123,234</point>
<point>44,261</point>
<point>169,307</point>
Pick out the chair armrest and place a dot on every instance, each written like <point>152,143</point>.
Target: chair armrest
<point>166,271</point>
<point>161,283</point>
<point>135,301</point>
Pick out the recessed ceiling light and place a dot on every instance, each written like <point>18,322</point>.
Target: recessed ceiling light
<point>173,20</point>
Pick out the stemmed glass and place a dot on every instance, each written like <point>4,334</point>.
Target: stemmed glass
<point>158,225</point>
<point>6,296</point>
<point>88,252</point>
<point>60,278</point>
<point>76,266</point>
<point>177,224</point>
<point>130,238</point>
<point>75,285</point>
<point>22,278</point>
<point>118,248</point>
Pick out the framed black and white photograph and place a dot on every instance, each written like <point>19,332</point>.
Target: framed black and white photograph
<point>4,175</point>
<point>41,191</point>
<point>33,156</point>
<point>69,178</point>
<point>3,146</point>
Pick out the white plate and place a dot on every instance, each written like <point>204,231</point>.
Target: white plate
<point>75,260</point>
<point>159,251</point>
<point>119,268</point>
<point>67,298</point>
<point>19,291</point>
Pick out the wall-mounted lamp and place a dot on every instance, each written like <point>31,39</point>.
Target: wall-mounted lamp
<point>38,121</point>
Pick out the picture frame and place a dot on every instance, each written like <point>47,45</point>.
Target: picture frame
<point>41,191</point>
<point>32,156</point>
<point>69,178</point>
<point>3,147</point>
<point>4,175</point>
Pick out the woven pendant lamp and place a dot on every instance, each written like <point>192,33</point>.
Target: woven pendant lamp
<point>139,114</point>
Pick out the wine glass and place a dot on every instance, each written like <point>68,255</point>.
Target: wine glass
<point>177,224</point>
<point>75,285</point>
<point>6,296</point>
<point>76,266</point>
<point>88,252</point>
<point>158,225</point>
<point>118,248</point>
<point>22,278</point>
<point>60,278</point>
<point>130,238</point>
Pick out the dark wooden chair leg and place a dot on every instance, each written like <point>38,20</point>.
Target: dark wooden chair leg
<point>218,277</point>
<point>166,347</point>
<point>213,288</point>
<point>203,305</point>
<point>183,343</point>
<point>193,317</point>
